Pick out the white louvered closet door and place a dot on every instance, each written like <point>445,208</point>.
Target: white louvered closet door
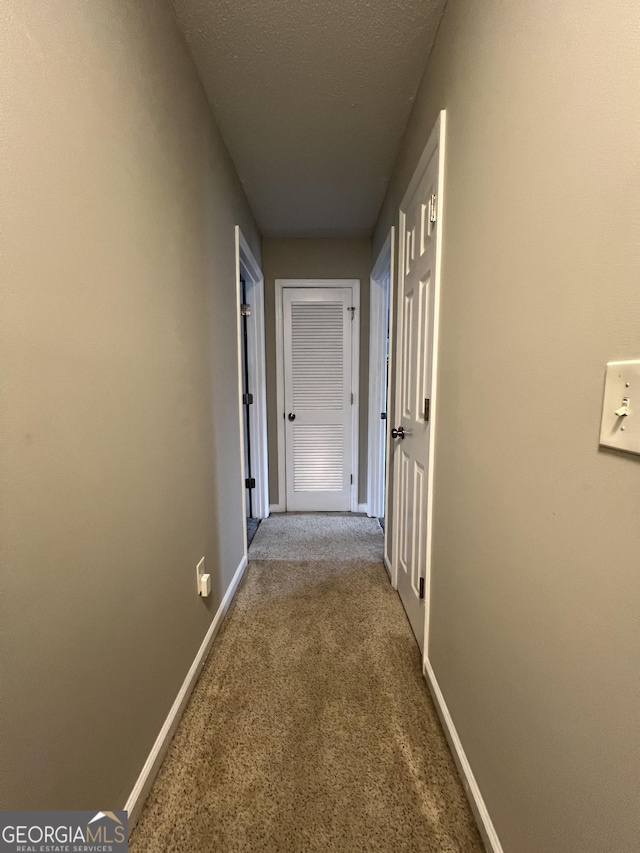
<point>317,382</point>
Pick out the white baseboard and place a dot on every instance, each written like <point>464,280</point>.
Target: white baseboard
<point>478,807</point>
<point>387,566</point>
<point>279,508</point>
<point>152,765</point>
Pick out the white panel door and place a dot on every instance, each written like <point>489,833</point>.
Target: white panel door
<point>414,361</point>
<point>317,393</point>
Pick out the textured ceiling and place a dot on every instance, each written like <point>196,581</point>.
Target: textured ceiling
<point>312,98</point>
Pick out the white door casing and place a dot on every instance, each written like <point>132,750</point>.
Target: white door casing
<point>420,228</point>
<point>247,266</point>
<point>391,367</point>
<point>316,387</point>
<point>380,291</point>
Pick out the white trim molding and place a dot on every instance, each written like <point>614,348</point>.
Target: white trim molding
<point>476,801</point>
<point>247,266</point>
<point>379,295</point>
<point>387,564</point>
<point>436,140</point>
<point>354,284</point>
<point>391,413</point>
<point>145,780</point>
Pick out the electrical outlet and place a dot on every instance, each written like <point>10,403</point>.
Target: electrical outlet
<point>200,570</point>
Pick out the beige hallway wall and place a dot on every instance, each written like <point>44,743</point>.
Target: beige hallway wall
<point>120,447</point>
<point>315,258</point>
<point>535,637</point>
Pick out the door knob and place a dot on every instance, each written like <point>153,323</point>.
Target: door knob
<point>398,433</point>
<point>291,416</point>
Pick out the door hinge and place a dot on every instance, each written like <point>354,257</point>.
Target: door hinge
<point>383,416</point>
<point>427,408</point>
<point>250,483</point>
<point>352,309</point>
<point>352,398</point>
<point>245,310</point>
<point>433,208</point>
<point>247,399</point>
<point>421,587</point>
<point>351,480</point>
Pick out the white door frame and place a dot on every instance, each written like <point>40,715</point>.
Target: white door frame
<point>391,413</point>
<point>380,287</point>
<point>436,140</point>
<point>354,284</point>
<point>247,266</point>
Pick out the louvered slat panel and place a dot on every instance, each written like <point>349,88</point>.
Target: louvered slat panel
<point>317,355</point>
<point>318,458</point>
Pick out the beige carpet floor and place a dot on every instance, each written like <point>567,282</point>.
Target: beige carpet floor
<point>311,727</point>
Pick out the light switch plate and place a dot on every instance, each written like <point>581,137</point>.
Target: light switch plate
<point>200,571</point>
<point>621,393</point>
